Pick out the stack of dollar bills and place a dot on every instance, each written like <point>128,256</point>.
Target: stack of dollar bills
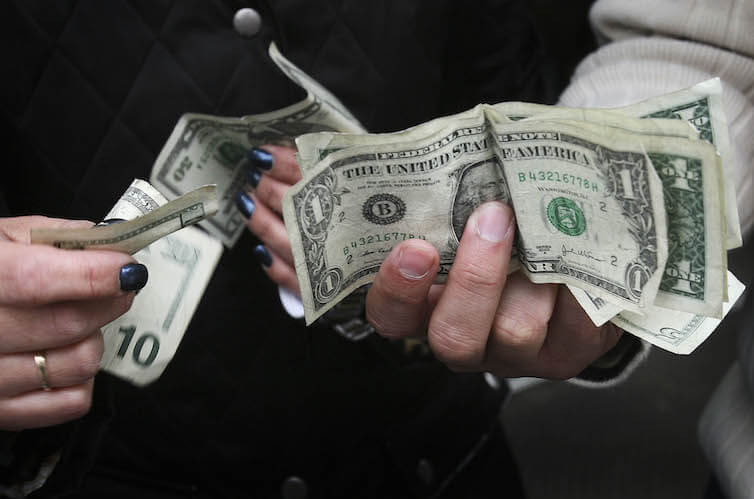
<point>633,209</point>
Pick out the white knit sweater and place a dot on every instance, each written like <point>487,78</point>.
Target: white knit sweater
<point>653,47</point>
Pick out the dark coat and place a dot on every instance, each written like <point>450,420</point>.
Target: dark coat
<point>91,91</point>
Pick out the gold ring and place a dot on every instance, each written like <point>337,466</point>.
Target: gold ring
<point>40,359</point>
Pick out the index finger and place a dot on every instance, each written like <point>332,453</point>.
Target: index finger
<point>34,274</point>
<point>278,162</point>
<point>17,228</point>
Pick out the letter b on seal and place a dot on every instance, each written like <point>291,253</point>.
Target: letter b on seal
<point>383,209</point>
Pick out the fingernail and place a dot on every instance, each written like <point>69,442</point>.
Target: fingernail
<point>263,256</point>
<point>133,277</point>
<point>414,263</point>
<point>253,176</point>
<point>110,221</point>
<point>493,221</point>
<point>245,204</point>
<point>260,158</point>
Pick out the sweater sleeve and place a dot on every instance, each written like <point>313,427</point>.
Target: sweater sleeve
<point>680,44</point>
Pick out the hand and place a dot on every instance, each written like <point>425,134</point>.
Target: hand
<point>272,170</point>
<point>53,302</point>
<point>482,319</point>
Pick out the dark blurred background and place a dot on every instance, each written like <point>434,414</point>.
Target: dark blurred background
<point>566,33</point>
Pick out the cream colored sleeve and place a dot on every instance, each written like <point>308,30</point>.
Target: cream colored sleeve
<point>652,47</point>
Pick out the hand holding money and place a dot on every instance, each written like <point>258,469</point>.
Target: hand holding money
<point>632,209</point>
<point>403,296</point>
<point>52,304</point>
<point>133,235</point>
<point>483,319</point>
<point>140,343</point>
<point>634,215</point>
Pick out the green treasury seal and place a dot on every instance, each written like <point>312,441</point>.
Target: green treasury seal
<point>566,216</point>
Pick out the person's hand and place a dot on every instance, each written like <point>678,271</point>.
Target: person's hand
<point>271,171</point>
<point>482,319</point>
<point>52,304</point>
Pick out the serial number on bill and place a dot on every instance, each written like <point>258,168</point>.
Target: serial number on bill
<point>385,237</point>
<point>555,176</point>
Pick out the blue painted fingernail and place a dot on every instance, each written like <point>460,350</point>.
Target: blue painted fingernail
<point>263,256</point>
<point>110,221</point>
<point>245,204</point>
<point>253,176</point>
<point>260,158</point>
<point>133,277</point>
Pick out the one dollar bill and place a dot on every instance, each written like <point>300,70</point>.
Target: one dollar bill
<point>205,149</point>
<point>133,235</point>
<point>676,331</point>
<point>677,206</point>
<point>358,202</point>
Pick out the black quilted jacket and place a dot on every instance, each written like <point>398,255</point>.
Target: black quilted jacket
<point>91,91</point>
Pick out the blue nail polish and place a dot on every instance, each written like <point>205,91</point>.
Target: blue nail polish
<point>260,158</point>
<point>245,204</point>
<point>110,221</point>
<point>253,176</point>
<point>263,256</point>
<point>133,277</point>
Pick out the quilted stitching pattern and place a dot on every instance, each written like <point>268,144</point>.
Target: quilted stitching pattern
<point>145,47</point>
<point>96,117</point>
<point>110,92</point>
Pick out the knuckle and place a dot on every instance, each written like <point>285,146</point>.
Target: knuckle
<point>68,322</point>
<point>266,191</point>
<point>453,346</point>
<point>383,328</point>
<point>90,275</point>
<point>386,326</point>
<point>402,294</point>
<point>77,403</point>
<point>26,279</point>
<point>34,220</point>
<point>262,227</point>
<point>393,312</point>
<point>294,174</point>
<point>476,280</point>
<point>96,273</point>
<point>86,369</point>
<point>88,356</point>
<point>520,331</point>
<point>276,197</point>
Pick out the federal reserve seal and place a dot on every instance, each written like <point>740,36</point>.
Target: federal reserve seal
<point>383,209</point>
<point>566,216</point>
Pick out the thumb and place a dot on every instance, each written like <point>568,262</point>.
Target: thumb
<point>18,229</point>
<point>397,304</point>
